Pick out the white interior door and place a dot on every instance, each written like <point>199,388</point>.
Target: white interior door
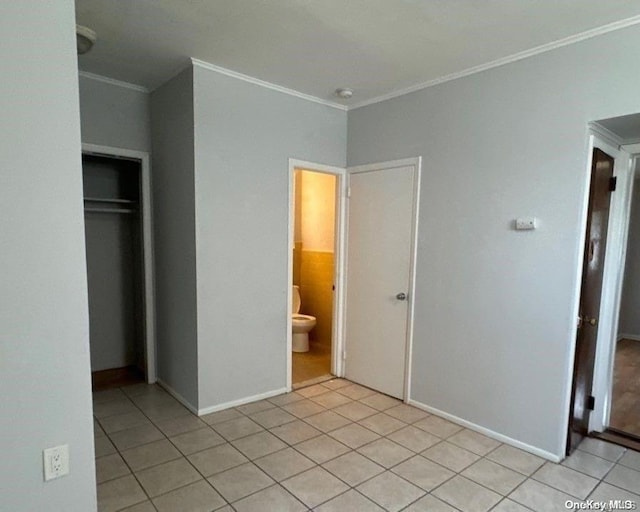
<point>379,247</point>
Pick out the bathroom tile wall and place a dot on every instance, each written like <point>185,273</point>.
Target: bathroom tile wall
<point>316,293</point>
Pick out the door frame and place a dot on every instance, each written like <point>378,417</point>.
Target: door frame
<point>416,163</point>
<point>613,274</point>
<point>147,242</point>
<point>337,329</point>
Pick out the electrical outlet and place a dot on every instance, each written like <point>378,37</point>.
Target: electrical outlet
<point>56,462</point>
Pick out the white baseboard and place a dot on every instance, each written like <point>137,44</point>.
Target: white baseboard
<point>485,431</point>
<point>177,396</point>
<point>240,401</point>
<point>624,336</point>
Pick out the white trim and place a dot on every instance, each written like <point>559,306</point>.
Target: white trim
<point>337,339</point>
<point>267,85</point>
<point>487,432</point>
<point>576,38</point>
<point>632,149</point>
<point>240,401</point>
<point>416,163</point>
<point>177,396</point>
<point>612,282</point>
<point>605,135</point>
<point>113,81</point>
<point>626,336</point>
<point>147,241</point>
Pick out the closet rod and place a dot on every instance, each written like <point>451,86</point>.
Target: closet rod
<point>109,210</point>
<point>107,200</point>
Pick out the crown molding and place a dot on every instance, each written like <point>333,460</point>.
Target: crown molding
<point>588,34</point>
<point>113,81</point>
<point>267,85</point>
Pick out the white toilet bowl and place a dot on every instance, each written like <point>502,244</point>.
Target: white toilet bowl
<point>302,324</point>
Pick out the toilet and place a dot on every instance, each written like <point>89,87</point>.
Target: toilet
<point>302,324</point>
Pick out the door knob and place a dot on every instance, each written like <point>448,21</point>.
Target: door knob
<point>401,296</point>
<point>585,319</point>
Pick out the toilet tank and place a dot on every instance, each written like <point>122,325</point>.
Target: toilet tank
<point>296,299</point>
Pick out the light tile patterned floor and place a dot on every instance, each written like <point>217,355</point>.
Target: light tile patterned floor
<point>335,446</point>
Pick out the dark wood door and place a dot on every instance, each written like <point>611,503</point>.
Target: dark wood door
<point>602,184</point>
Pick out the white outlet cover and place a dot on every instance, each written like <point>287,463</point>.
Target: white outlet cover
<point>56,462</point>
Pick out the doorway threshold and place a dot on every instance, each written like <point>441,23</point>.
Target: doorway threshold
<point>311,382</point>
<point>620,438</point>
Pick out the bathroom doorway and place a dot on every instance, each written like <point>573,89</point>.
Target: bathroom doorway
<point>315,227</point>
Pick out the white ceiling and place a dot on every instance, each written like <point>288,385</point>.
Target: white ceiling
<point>626,128</point>
<point>376,47</point>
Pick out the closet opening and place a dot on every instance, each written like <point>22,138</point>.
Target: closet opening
<point>118,278</point>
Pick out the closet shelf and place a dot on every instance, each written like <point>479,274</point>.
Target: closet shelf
<point>109,210</point>
<point>108,200</point>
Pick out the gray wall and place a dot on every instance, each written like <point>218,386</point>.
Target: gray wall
<point>495,308</point>
<point>114,116</point>
<point>174,235</point>
<point>44,340</point>
<point>245,135</point>
<point>630,302</point>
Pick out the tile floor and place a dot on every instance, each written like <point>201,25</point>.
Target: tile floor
<point>335,446</point>
<point>307,366</point>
